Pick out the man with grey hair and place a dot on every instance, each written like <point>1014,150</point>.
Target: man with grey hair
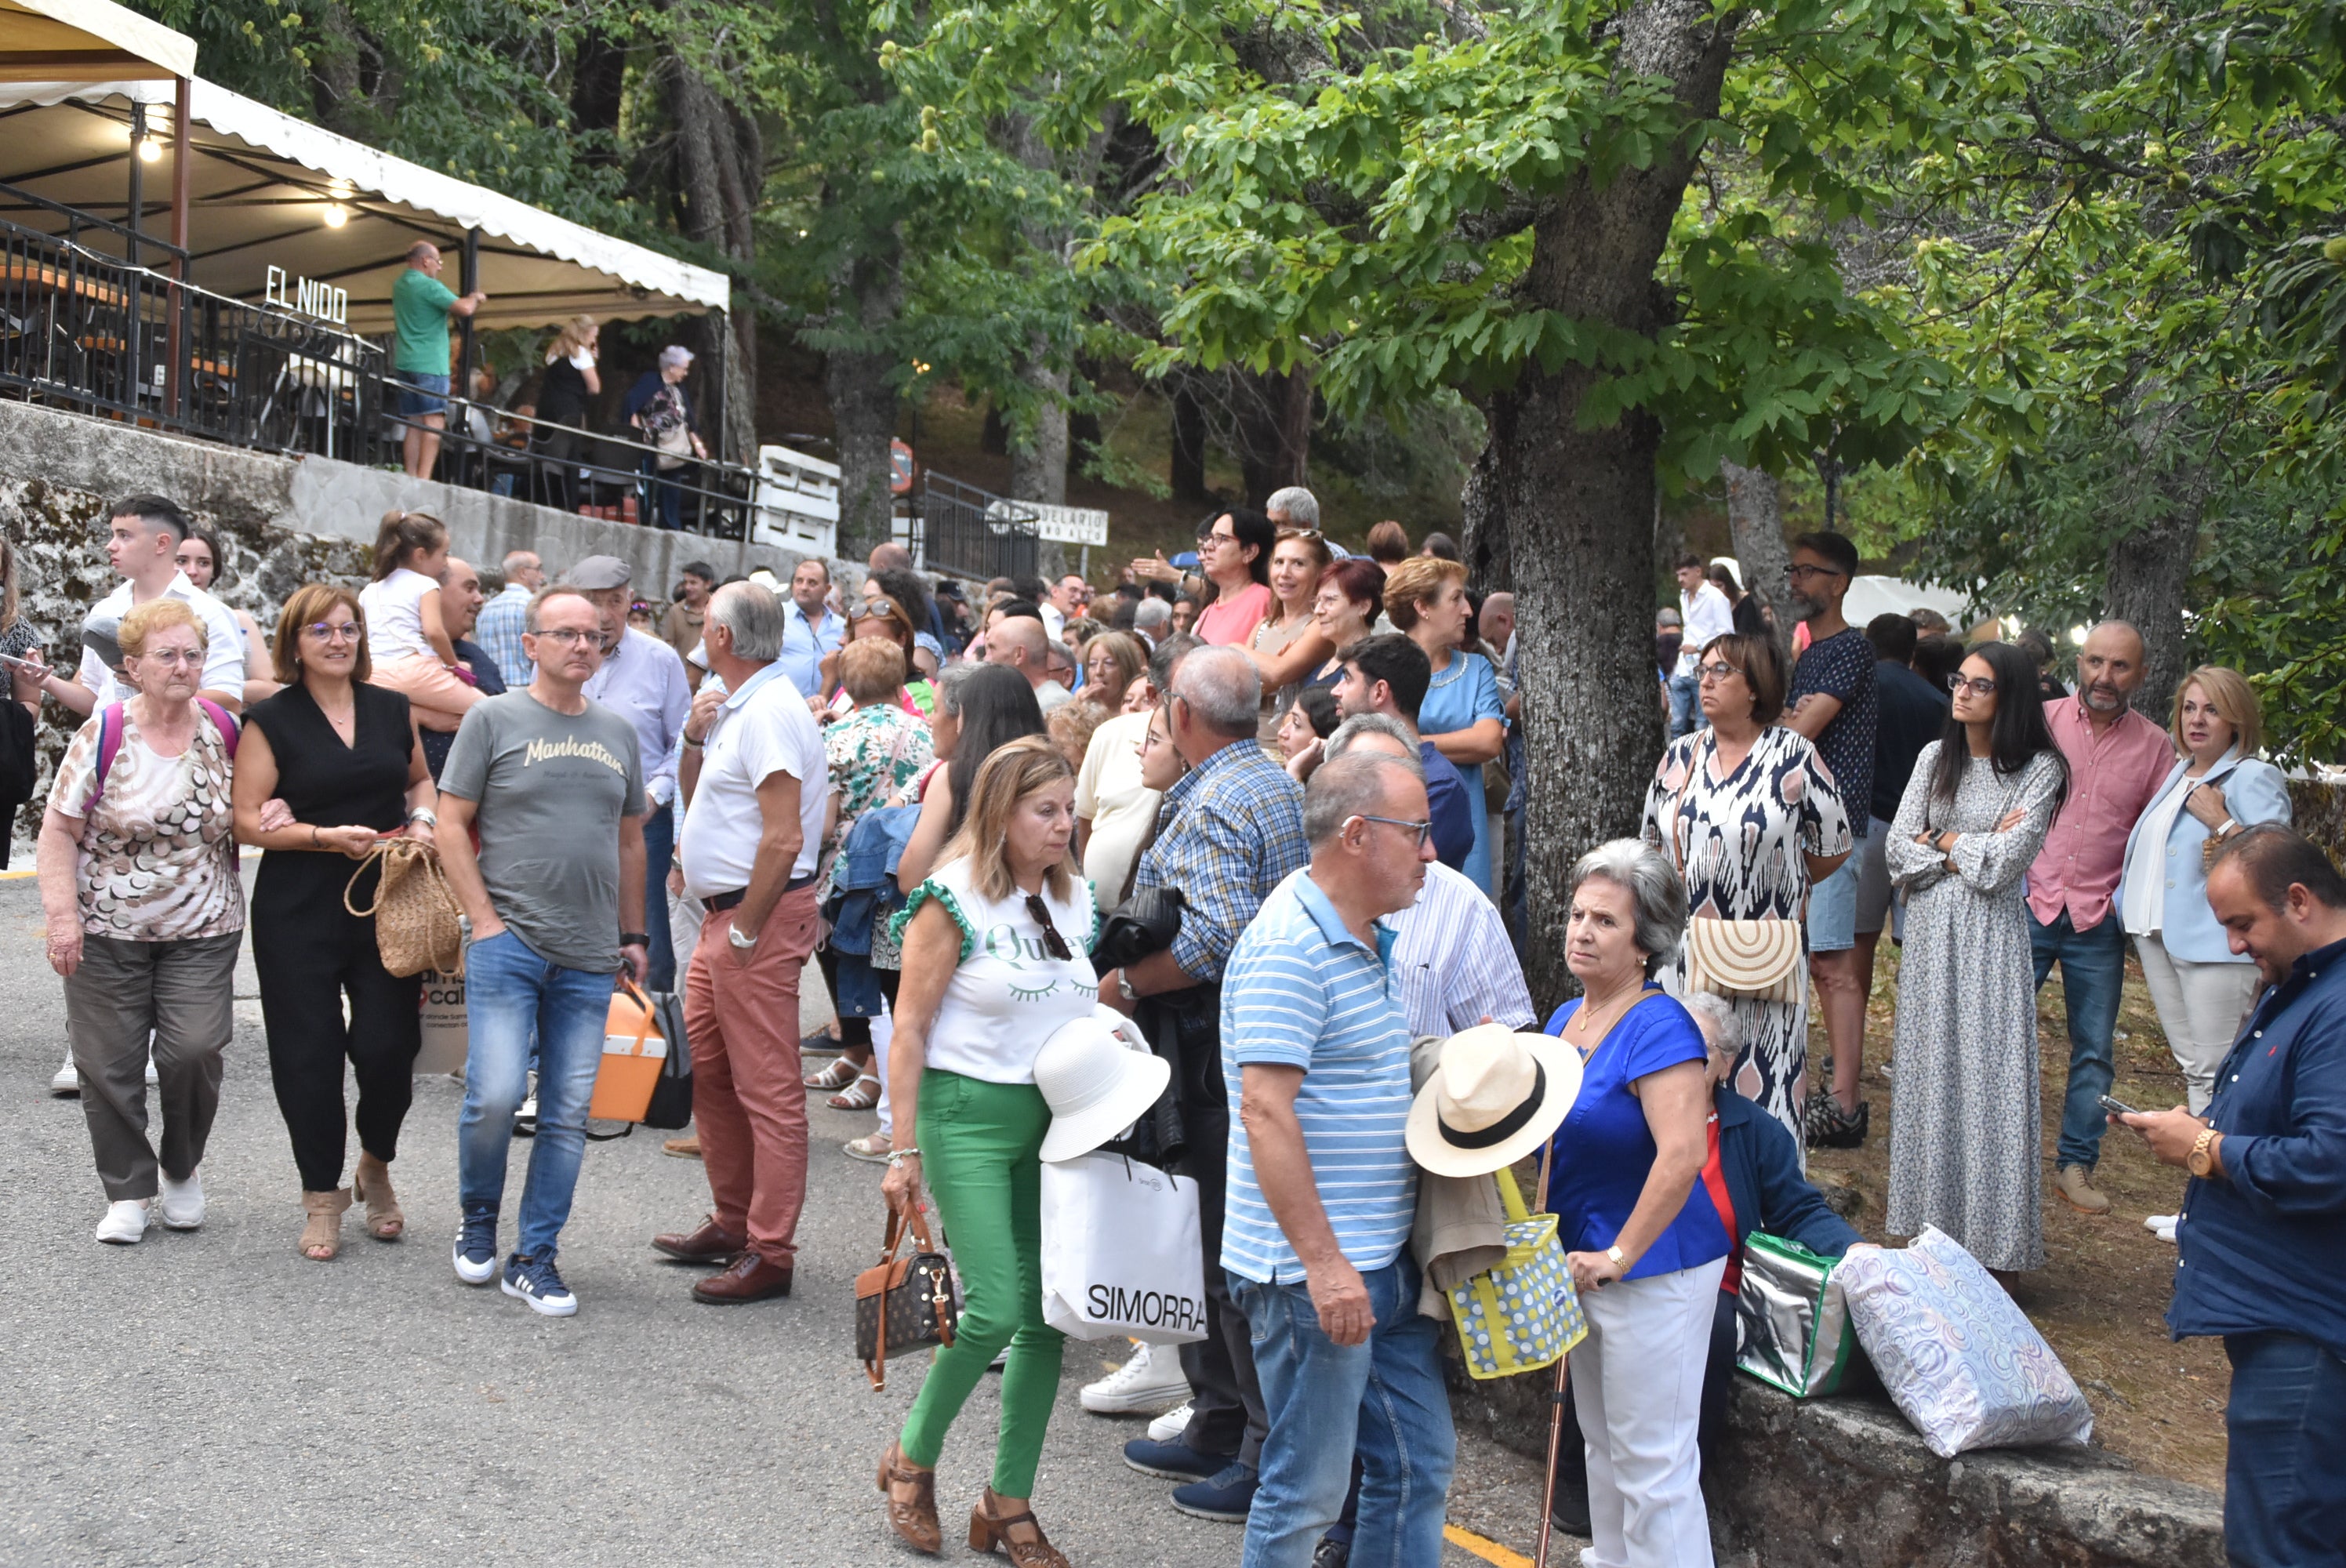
<point>1293,507</point>
<point>499,628</point>
<point>1232,830</point>
<point>1316,1052</point>
<point>1153,620</point>
<point>756,787</point>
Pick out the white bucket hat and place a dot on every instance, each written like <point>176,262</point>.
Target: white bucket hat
<point>1098,1076</point>
<point>1494,1097</point>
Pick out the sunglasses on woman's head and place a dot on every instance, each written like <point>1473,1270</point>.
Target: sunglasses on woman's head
<point>1052,940</point>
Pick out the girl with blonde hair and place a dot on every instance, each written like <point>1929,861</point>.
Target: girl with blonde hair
<point>407,640</point>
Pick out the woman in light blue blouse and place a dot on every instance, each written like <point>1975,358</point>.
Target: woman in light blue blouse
<point>1462,714</point>
<point>1647,1249</point>
<point>2201,987</point>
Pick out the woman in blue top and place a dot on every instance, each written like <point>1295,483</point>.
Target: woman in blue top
<point>1462,714</point>
<point>2201,987</point>
<point>1646,1250</point>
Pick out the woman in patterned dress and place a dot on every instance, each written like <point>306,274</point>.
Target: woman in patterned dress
<point>1751,814</point>
<point>1965,1125</point>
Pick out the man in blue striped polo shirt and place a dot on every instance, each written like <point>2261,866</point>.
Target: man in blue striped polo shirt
<point>1322,1192</point>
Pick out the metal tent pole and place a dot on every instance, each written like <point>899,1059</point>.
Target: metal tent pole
<point>183,158</point>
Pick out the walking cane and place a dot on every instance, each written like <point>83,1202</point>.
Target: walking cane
<point>1554,1406</point>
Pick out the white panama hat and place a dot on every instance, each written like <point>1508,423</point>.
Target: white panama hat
<point>1099,1076</point>
<point>1494,1097</point>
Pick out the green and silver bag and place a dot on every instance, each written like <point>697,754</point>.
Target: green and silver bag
<point>1793,1327</point>
<point>1522,1313</point>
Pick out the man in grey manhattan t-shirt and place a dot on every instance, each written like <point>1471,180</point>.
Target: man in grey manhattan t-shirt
<point>555,897</point>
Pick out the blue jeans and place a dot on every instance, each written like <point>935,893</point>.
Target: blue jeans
<point>2284,1489</point>
<point>659,848</point>
<point>663,506</point>
<point>511,995</point>
<point>1685,705</point>
<point>1384,1397</point>
<point>2093,968</point>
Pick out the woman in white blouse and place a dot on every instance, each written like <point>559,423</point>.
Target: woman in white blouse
<point>995,959</point>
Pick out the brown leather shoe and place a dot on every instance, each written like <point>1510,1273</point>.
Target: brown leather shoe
<point>749,1277</point>
<point>1015,1535</point>
<point>912,1502</point>
<point>712,1243</point>
<point>684,1148</point>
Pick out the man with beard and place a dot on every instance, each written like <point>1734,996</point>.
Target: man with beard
<point>2118,759</point>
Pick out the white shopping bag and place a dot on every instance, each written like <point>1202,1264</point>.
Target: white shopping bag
<point>1121,1254</point>
<point>444,1025</point>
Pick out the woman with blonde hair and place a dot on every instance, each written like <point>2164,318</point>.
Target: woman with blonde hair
<point>1462,714</point>
<point>331,766</point>
<point>408,645</point>
<point>1289,643</point>
<point>996,944</point>
<point>2201,987</point>
<point>138,884</point>
<point>1112,662</point>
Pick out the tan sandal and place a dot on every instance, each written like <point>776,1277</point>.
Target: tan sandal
<point>912,1514</point>
<point>371,1184</point>
<point>322,1238</point>
<point>990,1530</point>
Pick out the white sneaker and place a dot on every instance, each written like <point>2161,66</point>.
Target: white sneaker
<point>125,1222</point>
<point>66,1080</point>
<point>2161,1225</point>
<point>1170,1425</point>
<point>181,1206</point>
<point>1142,1383</point>
<point>153,1077</point>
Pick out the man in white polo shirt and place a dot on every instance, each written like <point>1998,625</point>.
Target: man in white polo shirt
<point>756,787</point>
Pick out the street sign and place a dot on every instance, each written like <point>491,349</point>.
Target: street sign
<point>1066,525</point>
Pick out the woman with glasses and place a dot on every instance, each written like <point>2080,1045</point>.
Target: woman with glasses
<point>1748,814</point>
<point>137,866</point>
<point>1351,596</point>
<point>1112,662</point>
<point>995,943</point>
<point>1965,1127</point>
<point>877,616</point>
<point>1234,555</point>
<point>330,765</point>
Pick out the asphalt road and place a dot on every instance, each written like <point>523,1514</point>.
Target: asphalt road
<point>213,1398</point>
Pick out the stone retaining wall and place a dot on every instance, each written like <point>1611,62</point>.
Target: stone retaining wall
<point>283,521</point>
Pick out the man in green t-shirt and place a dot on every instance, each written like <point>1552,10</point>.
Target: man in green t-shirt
<point>420,307</point>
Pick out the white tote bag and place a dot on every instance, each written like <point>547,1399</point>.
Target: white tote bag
<point>1121,1253</point>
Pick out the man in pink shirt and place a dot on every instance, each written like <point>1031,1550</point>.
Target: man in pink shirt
<point>2118,759</point>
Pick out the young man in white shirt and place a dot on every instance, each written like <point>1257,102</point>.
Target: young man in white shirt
<point>1705,614</point>
<point>756,786</point>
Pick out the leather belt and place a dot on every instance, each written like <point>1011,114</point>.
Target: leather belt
<point>724,901</point>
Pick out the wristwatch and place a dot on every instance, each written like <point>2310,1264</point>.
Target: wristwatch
<point>635,938</point>
<point>1124,987</point>
<point>733,934</point>
<point>2202,1163</point>
<point>1620,1259</point>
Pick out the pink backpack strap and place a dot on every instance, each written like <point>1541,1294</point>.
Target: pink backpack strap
<point>109,744</point>
<point>223,722</point>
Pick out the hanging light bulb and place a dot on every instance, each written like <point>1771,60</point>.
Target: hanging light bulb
<point>337,214</point>
<point>150,150</point>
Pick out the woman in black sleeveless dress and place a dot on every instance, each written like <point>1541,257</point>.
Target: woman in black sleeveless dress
<point>326,766</point>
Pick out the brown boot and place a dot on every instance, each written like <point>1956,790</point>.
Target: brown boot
<point>749,1277</point>
<point>712,1243</point>
<point>911,1500</point>
<point>322,1238</point>
<point>371,1184</point>
<point>2075,1185</point>
<point>1015,1535</point>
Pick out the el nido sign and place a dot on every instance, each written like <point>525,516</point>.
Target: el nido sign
<point>307,297</point>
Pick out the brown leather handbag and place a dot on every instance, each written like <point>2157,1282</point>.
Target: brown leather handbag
<point>903,1303</point>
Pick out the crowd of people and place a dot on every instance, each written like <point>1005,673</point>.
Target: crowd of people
<point>1297,775</point>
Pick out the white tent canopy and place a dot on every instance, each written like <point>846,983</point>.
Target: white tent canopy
<point>269,191</point>
<point>87,41</point>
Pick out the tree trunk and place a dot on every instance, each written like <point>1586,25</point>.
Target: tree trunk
<point>2149,567</point>
<point>1038,457</point>
<point>1482,542</point>
<point>1274,430</point>
<point>1755,523</point>
<point>1189,461</point>
<point>597,78</point>
<point>863,398</point>
<point>720,159</point>
<point>1579,503</point>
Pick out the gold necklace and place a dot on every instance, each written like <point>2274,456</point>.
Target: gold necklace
<point>1586,1011</point>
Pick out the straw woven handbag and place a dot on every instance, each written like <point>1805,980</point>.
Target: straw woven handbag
<point>415,915</point>
<point>1750,958</point>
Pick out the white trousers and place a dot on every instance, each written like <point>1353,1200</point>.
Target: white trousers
<point>1636,1381</point>
<point>884,1034</point>
<point>2201,1007</point>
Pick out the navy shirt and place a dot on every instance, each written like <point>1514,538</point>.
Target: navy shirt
<point>2264,1244</point>
<point>1841,666</point>
<point>1449,807</point>
<point>1909,716</point>
<point>1604,1151</point>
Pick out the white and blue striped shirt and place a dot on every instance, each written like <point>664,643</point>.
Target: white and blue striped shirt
<point>1453,962</point>
<point>1301,990</point>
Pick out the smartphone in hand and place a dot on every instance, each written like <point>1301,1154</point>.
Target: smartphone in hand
<point>2118,1107</point>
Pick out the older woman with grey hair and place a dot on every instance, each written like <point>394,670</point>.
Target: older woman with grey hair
<point>1646,1250</point>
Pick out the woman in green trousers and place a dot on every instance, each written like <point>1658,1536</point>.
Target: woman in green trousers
<point>995,945</point>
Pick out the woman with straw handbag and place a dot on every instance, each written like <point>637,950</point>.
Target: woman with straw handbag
<point>330,767</point>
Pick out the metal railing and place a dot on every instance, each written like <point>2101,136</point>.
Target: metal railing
<point>84,330</point>
<point>960,528</point>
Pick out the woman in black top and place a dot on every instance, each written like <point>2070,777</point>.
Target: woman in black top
<point>325,768</point>
<point>572,376</point>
